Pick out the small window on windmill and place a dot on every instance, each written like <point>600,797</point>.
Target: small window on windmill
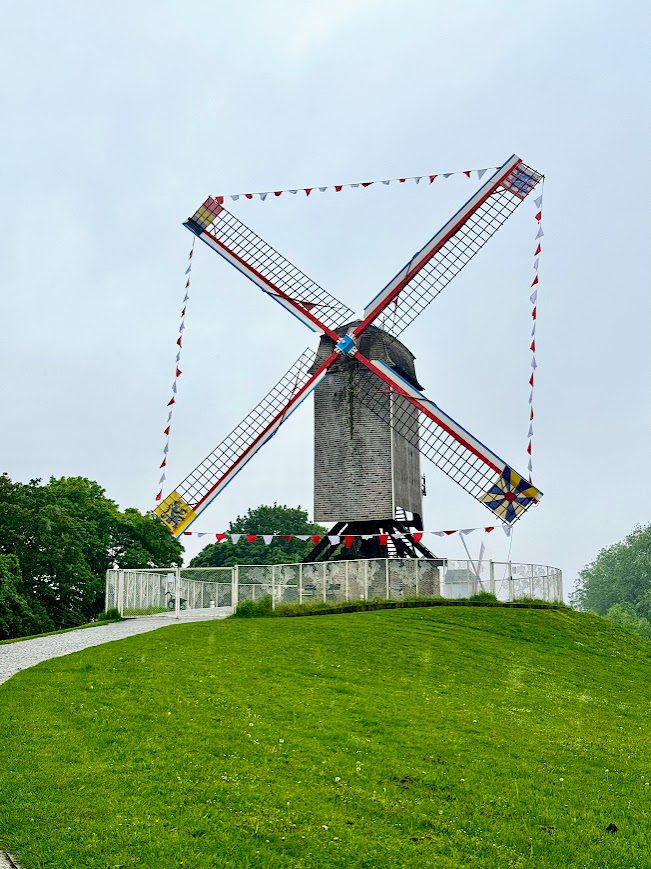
<point>423,485</point>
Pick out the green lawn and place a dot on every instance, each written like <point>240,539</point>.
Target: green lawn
<point>445,737</point>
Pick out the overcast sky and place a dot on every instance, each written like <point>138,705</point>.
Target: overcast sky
<point>118,120</point>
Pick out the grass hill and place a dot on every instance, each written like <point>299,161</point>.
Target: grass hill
<point>446,737</point>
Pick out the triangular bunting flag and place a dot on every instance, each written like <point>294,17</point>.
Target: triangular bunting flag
<point>507,530</point>
<point>316,539</point>
<point>338,188</point>
<point>538,201</point>
<point>220,537</point>
<point>335,539</point>
<point>534,281</point>
<point>540,233</point>
<point>383,539</point>
<point>267,538</point>
<point>537,251</point>
<point>250,538</point>
<point>481,173</point>
<point>417,535</point>
<point>431,178</point>
<point>263,196</point>
<point>235,197</point>
<point>531,381</point>
<point>534,313</point>
<point>348,540</point>
<point>489,528</point>
<point>539,216</point>
<point>530,432</point>
<point>235,538</point>
<point>534,364</point>
<point>171,401</point>
<point>308,190</point>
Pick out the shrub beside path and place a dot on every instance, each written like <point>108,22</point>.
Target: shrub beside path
<point>15,657</point>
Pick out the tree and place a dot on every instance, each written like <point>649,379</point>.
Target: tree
<point>274,519</point>
<point>66,534</point>
<point>17,617</point>
<point>620,574</point>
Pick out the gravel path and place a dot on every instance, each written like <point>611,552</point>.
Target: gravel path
<point>15,657</point>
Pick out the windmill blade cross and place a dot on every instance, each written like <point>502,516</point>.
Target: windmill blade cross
<point>273,273</point>
<point>430,270</point>
<point>182,506</point>
<point>446,443</point>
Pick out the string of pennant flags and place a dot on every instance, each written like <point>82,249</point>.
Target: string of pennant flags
<point>177,373</point>
<point>357,185</point>
<point>533,298</point>
<point>417,179</point>
<point>346,539</point>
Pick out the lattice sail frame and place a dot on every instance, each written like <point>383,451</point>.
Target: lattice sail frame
<point>182,506</point>
<point>446,443</point>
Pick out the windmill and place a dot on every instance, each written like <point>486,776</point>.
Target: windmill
<point>372,419</point>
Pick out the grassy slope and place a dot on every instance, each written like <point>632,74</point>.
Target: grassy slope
<point>444,737</point>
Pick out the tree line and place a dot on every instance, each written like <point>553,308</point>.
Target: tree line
<point>57,539</point>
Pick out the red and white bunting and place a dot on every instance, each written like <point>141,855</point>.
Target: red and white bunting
<point>336,539</point>
<point>177,373</point>
<point>533,298</point>
<point>357,185</point>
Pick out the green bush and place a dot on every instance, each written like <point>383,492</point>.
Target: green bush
<point>247,609</point>
<point>484,597</point>
<point>111,615</point>
<point>625,615</point>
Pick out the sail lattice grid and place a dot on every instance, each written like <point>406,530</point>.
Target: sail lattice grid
<point>197,484</point>
<point>457,252</point>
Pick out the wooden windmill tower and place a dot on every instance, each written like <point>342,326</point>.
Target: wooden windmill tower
<point>372,420</point>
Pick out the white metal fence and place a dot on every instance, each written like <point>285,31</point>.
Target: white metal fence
<point>145,592</point>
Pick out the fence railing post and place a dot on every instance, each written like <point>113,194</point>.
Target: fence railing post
<point>119,593</point>
<point>346,563</point>
<point>325,590</point>
<point>366,579</point>
<point>235,587</point>
<point>510,576</point>
<point>417,568</point>
<point>273,587</point>
<point>531,581</point>
<point>491,577</point>
<point>177,592</point>
<point>300,582</point>
<point>386,560</point>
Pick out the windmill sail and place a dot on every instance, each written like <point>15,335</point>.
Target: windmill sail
<point>432,268</point>
<point>447,444</point>
<point>269,270</point>
<point>182,506</point>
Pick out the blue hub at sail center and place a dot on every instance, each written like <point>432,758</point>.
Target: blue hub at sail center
<point>346,345</point>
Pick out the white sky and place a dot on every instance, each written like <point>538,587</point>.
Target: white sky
<point>118,120</point>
